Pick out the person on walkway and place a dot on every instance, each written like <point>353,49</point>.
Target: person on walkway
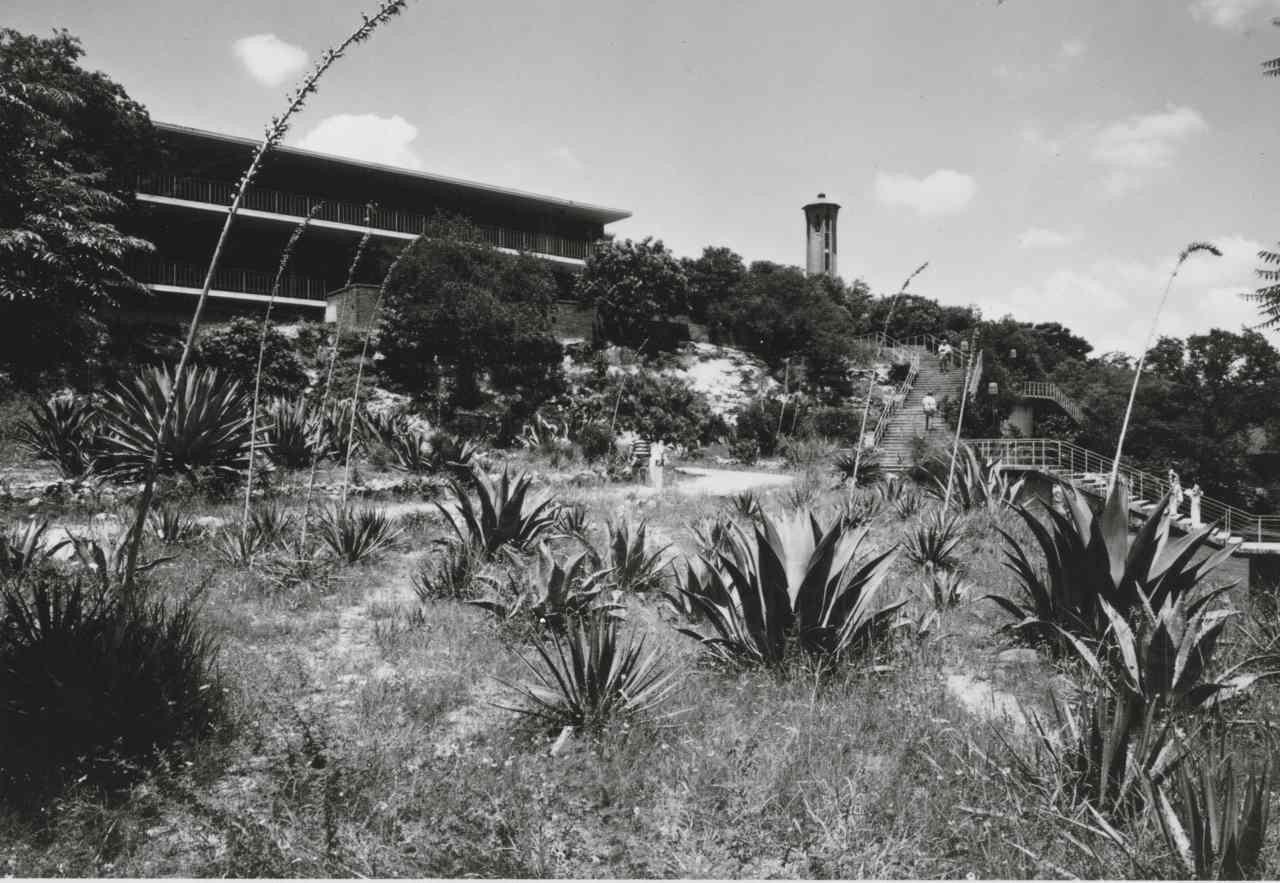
<point>1175,494</point>
<point>944,356</point>
<point>657,463</point>
<point>1194,496</point>
<point>929,405</point>
<point>641,455</point>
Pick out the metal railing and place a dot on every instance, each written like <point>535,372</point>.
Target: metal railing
<point>150,271</point>
<point>295,205</point>
<point>896,400</point>
<point>1038,389</point>
<point>1080,466</point>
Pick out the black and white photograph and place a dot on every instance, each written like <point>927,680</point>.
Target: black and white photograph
<point>649,440</point>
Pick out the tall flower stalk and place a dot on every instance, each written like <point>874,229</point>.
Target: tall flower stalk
<point>285,257</point>
<point>871,381</point>
<point>1187,252</point>
<point>328,381</point>
<point>364,351</point>
<point>964,398</point>
<point>276,130</point>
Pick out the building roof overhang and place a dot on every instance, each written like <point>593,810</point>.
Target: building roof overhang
<point>527,201</point>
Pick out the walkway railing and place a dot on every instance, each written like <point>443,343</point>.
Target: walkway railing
<point>895,402</point>
<point>150,271</point>
<point>1038,389</point>
<point>295,205</point>
<point>1082,465</point>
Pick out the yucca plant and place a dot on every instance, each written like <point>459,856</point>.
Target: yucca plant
<point>24,549</point>
<point>292,432</point>
<point>794,586</point>
<point>632,567</point>
<point>208,427</point>
<point>354,534</point>
<point>934,542</point>
<point>1088,559</point>
<point>556,594</point>
<point>269,524</point>
<point>591,677</point>
<point>170,525</point>
<point>500,516</point>
<point>105,556</point>
<point>63,430</point>
<point>1218,827</point>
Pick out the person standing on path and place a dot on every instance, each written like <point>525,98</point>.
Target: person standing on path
<point>657,463</point>
<point>641,455</point>
<point>929,405</point>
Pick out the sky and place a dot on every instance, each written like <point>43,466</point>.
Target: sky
<point>1049,158</point>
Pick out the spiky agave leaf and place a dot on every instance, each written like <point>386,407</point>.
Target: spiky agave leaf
<point>353,534</point>
<point>634,569</point>
<point>498,517</point>
<point>934,543</point>
<point>63,430</point>
<point>557,594</point>
<point>23,549</point>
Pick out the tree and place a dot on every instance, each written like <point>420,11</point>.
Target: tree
<point>633,285</point>
<point>70,143</point>
<point>457,312</point>
<point>1267,297</point>
<point>233,349</point>
<point>713,277</point>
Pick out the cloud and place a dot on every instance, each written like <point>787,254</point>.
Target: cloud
<point>365,136</point>
<point>1143,143</point>
<point>268,59</point>
<point>1073,48</point>
<point>1232,15</point>
<point>1038,237</point>
<point>943,192</point>
<point>1033,137</point>
<point>1111,302</point>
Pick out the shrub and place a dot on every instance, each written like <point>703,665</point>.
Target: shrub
<point>591,677</point>
<point>232,349</point>
<point>595,441</point>
<point>863,471</point>
<point>633,285</point>
<point>797,587</point>
<point>95,687</point>
<point>840,422</point>
<point>208,430</point>
<point>63,430</point>
<point>806,452</point>
<point>353,535</point>
<point>745,450</point>
<point>768,420</point>
<point>659,407</point>
<point>500,518</point>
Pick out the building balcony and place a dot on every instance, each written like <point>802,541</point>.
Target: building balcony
<point>229,283</point>
<point>211,195</point>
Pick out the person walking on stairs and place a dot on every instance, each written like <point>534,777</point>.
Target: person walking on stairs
<point>929,405</point>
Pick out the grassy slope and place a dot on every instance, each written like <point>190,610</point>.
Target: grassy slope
<point>367,742</point>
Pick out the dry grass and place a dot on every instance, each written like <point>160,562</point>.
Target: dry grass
<point>368,741</point>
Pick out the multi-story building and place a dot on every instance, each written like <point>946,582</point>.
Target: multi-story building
<point>183,204</point>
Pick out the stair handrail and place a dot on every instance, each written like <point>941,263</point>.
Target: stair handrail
<point>896,400</point>
<point>1042,389</point>
<point>1063,457</point>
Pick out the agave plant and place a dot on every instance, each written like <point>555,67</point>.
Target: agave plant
<point>1218,829</point>
<point>170,525</point>
<point>633,567</point>
<point>292,432</point>
<point>572,523</point>
<point>105,556</point>
<point>746,505</point>
<point>452,575</point>
<point>860,471</point>
<point>945,589</point>
<point>1089,559</point>
<point>500,517</point>
<point>711,535</point>
<point>559,594</point>
<point>63,430</point>
<point>797,586</point>
<point>591,676</point>
<point>1108,748</point>
<point>860,507</point>
<point>269,524</point>
<point>207,430</point>
<point>353,534</point>
<point>934,542</point>
<point>544,437</point>
<point>453,455</point>
<point>902,496</point>
<point>23,549</point>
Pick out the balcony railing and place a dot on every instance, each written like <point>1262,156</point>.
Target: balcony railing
<point>150,271</point>
<point>296,205</point>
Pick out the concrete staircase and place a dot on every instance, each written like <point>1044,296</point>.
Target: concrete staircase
<point>908,424</point>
